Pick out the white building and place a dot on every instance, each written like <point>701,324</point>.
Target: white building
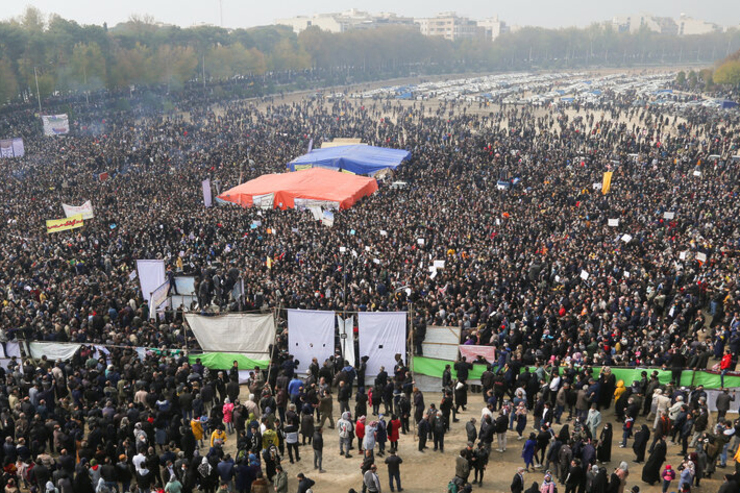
<point>493,27</point>
<point>688,26</point>
<point>345,21</point>
<point>635,22</point>
<point>449,26</point>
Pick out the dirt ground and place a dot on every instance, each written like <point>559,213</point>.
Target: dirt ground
<point>431,471</point>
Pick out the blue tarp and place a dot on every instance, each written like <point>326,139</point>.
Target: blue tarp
<point>358,159</point>
<point>725,104</point>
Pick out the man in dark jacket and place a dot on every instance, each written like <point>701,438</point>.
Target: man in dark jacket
<point>318,449</point>
<point>304,483</point>
<point>517,484</point>
<point>575,477</point>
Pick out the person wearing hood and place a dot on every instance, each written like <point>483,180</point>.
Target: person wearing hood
<point>369,442</point>
<point>651,470</point>
<point>668,475</point>
<point>360,432</point>
<point>345,429</point>
<point>639,446</point>
<point>621,396</point>
<point>604,449</point>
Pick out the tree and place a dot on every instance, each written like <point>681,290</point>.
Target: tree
<point>681,78</point>
<point>86,69</point>
<point>728,73</point>
<point>176,64</point>
<point>8,82</point>
<point>132,66</point>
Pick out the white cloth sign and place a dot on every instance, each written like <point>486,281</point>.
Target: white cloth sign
<point>207,196</point>
<point>441,343</point>
<point>701,257</point>
<point>613,222</point>
<point>13,348</point>
<point>85,209</point>
<point>328,218</point>
<point>347,339</point>
<point>55,124</point>
<point>159,298</point>
<point>247,334</point>
<point>53,350</point>
<point>584,275</point>
<point>669,215</point>
<point>151,276</point>
<point>310,335</point>
<point>382,336</point>
<point>627,238</point>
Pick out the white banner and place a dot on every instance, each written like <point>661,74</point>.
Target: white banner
<point>207,198</point>
<point>310,335</point>
<point>159,298</point>
<point>441,343</point>
<point>328,218</point>
<point>263,201</point>
<point>52,350</point>
<point>85,209</point>
<point>247,334</point>
<point>12,148</point>
<point>347,339</point>
<point>55,124</point>
<point>151,276</point>
<point>382,336</point>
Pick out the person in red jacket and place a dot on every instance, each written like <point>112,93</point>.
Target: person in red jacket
<point>724,366</point>
<point>394,428</point>
<point>360,432</point>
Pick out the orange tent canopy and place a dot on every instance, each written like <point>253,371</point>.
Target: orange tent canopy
<point>314,184</point>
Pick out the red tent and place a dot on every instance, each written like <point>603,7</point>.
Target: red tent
<point>313,184</point>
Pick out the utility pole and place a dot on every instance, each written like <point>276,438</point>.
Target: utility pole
<point>38,94</point>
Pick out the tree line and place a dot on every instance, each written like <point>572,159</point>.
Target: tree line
<point>65,57</point>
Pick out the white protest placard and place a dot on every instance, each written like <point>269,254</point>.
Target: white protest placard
<point>627,238</point>
<point>420,241</point>
<point>701,257</point>
<point>342,249</point>
<point>613,222</point>
<point>697,172</point>
<point>433,275</point>
<point>669,215</point>
<point>584,275</point>
<point>354,253</point>
<point>132,275</point>
<point>376,261</point>
<point>383,232</point>
<point>557,278</point>
<point>439,264</point>
<point>627,274</point>
<point>85,209</point>
<point>682,255</point>
<point>367,248</point>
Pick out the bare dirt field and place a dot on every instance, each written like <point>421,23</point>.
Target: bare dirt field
<point>431,471</point>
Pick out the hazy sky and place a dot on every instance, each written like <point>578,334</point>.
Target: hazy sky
<point>244,13</point>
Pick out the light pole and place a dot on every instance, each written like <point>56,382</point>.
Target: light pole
<point>38,94</point>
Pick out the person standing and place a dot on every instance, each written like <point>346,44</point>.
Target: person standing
<point>639,446</point>
<point>651,471</point>
<point>480,463</point>
<point>345,429</point>
<point>394,469</point>
<point>593,420</point>
<point>439,434</point>
<point>575,477</point>
<point>528,451</point>
<point>318,449</point>
<point>668,475</point>
<point>281,480</point>
<point>371,480</point>
<point>462,467</point>
<point>517,484</point>
<point>423,428</point>
<point>723,403</point>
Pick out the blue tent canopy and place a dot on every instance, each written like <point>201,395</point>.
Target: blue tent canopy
<point>357,159</point>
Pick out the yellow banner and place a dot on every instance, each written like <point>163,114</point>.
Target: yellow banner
<point>606,184</point>
<point>72,222</point>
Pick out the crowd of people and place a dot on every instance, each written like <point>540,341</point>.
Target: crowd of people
<point>535,271</point>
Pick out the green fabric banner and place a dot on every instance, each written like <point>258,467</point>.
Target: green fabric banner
<point>434,368</point>
<point>223,361</point>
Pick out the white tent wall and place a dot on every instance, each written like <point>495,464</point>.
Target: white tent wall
<point>151,276</point>
<point>250,335</point>
<point>310,335</point>
<point>382,336</point>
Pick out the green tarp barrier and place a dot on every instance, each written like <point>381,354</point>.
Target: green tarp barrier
<point>434,368</point>
<point>224,361</point>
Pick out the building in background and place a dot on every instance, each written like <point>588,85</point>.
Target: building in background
<point>688,26</point>
<point>345,21</point>
<point>493,28</point>
<point>633,23</point>
<point>449,26</point>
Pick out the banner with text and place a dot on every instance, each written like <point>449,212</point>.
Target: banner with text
<point>85,209</point>
<point>55,124</point>
<point>57,225</point>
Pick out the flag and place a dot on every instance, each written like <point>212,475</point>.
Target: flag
<point>606,184</point>
<point>269,262</point>
<point>207,199</point>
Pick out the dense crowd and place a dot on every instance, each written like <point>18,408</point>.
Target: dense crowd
<point>534,271</point>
